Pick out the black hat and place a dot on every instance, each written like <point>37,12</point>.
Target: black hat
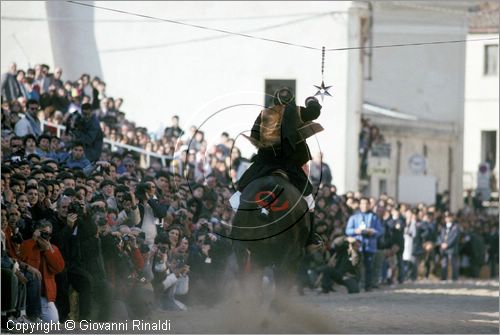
<point>283,96</point>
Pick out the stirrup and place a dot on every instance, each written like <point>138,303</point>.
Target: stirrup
<point>264,214</point>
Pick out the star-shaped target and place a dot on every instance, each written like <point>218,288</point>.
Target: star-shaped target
<point>322,90</point>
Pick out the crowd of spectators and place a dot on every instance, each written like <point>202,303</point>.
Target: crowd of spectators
<point>373,242</point>
<point>368,137</point>
<point>89,230</point>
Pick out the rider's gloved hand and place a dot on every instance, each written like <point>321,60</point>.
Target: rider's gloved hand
<point>312,110</point>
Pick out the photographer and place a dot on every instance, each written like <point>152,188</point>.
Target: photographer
<point>343,266</point>
<point>151,211</point>
<point>129,213</point>
<point>166,274</point>
<point>107,189</point>
<point>76,237</point>
<point>207,259</point>
<point>39,253</point>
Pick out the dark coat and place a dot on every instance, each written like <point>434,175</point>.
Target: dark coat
<point>11,89</point>
<point>451,237</point>
<point>91,135</point>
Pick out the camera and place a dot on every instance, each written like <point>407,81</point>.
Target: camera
<point>45,235</point>
<point>75,208</point>
<point>125,238</point>
<point>17,238</point>
<point>101,221</point>
<point>117,240</point>
<point>180,262</point>
<point>163,249</point>
<point>127,197</point>
<point>144,249</point>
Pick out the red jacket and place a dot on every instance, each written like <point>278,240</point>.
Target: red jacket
<point>47,262</point>
<point>9,244</point>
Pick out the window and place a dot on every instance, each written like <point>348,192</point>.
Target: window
<point>491,59</point>
<point>382,186</point>
<point>272,85</point>
<point>489,147</point>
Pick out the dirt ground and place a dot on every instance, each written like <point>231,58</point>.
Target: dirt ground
<point>463,307</point>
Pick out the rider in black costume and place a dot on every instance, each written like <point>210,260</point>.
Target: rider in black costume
<point>280,134</point>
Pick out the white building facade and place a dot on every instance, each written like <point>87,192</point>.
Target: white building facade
<point>414,95</point>
<point>481,113</point>
<point>163,69</point>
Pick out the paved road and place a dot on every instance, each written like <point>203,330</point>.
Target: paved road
<point>433,307</point>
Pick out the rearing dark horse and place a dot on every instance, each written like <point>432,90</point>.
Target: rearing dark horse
<point>277,241</point>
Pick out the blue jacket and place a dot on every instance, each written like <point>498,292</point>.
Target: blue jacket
<point>369,220</point>
<point>82,163</point>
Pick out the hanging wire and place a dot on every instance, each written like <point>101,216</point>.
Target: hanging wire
<point>211,38</point>
<point>278,41</point>
<point>193,25</point>
<point>322,62</point>
<point>187,19</point>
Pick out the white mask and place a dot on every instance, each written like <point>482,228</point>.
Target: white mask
<point>448,224</point>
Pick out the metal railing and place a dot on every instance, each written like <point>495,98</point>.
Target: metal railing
<point>60,129</point>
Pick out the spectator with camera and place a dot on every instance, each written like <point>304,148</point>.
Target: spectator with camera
<point>166,274</point>
<point>343,267</point>
<point>206,260</point>
<point>151,211</point>
<point>39,253</point>
<point>107,189</point>
<point>365,226</point>
<point>75,236</point>
<point>129,213</point>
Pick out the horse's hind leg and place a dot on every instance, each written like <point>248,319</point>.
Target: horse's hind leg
<point>268,285</point>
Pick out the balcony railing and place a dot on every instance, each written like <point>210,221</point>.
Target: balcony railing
<point>148,154</point>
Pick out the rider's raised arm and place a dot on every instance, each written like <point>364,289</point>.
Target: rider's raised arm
<point>311,111</point>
